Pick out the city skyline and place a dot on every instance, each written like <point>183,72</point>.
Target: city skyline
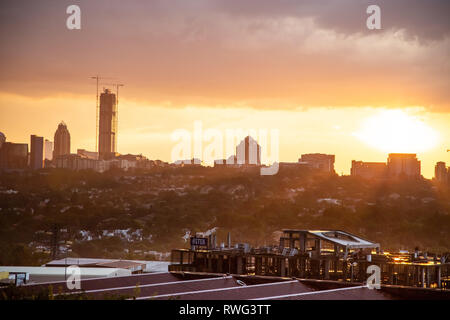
<point>318,75</point>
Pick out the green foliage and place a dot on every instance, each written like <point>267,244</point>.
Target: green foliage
<point>166,202</point>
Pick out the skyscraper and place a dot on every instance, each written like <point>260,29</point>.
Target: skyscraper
<point>37,152</point>
<point>107,140</point>
<point>61,141</point>
<point>441,172</point>
<point>48,150</point>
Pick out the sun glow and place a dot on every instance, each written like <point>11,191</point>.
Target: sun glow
<point>397,131</point>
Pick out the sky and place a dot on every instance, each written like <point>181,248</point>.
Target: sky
<point>310,69</point>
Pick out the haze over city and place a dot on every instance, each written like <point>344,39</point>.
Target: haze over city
<point>312,71</point>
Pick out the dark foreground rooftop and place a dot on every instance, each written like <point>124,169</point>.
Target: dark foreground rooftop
<point>205,286</point>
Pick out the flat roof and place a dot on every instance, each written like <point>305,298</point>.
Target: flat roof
<point>339,237</point>
<point>61,270</point>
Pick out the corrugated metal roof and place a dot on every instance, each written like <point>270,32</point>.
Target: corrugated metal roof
<point>351,293</point>
<point>168,289</point>
<point>242,292</point>
<point>103,283</point>
<point>212,287</point>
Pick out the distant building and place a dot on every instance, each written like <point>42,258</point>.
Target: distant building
<point>441,173</point>
<point>61,141</point>
<point>323,162</point>
<point>36,152</point>
<point>188,162</point>
<point>13,155</point>
<point>107,140</point>
<point>368,170</point>
<point>48,150</point>
<point>87,154</point>
<point>2,139</point>
<point>248,152</point>
<point>403,164</point>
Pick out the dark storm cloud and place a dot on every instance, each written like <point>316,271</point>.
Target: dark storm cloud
<point>201,51</point>
<point>419,18</point>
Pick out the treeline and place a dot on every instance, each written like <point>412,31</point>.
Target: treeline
<point>166,203</point>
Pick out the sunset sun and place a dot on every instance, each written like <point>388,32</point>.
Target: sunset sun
<point>397,131</point>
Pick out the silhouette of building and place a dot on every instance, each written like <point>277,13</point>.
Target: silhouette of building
<point>323,162</point>
<point>13,155</point>
<point>403,164</point>
<point>36,152</point>
<point>107,140</point>
<point>441,173</point>
<point>368,170</point>
<point>61,141</point>
<point>248,152</point>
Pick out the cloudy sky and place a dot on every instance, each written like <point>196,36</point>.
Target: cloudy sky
<point>310,69</point>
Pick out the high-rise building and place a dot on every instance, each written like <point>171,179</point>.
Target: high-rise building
<point>48,150</point>
<point>441,173</point>
<point>61,141</point>
<point>368,170</point>
<point>36,152</point>
<point>323,162</point>
<point>248,152</point>
<point>107,140</point>
<point>13,155</point>
<point>403,164</point>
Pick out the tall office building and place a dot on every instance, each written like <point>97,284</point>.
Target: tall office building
<point>248,152</point>
<point>61,141</point>
<point>403,164</point>
<point>13,155</point>
<point>107,139</point>
<point>441,173</point>
<point>48,150</point>
<point>37,152</point>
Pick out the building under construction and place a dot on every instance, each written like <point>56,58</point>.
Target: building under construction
<point>107,139</point>
<point>314,254</point>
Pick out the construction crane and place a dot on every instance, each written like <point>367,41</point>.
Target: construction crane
<point>117,86</point>
<point>97,78</point>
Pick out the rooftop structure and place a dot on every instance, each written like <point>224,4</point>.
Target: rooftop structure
<point>36,152</point>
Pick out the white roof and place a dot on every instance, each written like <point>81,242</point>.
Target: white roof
<point>349,240</point>
<point>98,272</point>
